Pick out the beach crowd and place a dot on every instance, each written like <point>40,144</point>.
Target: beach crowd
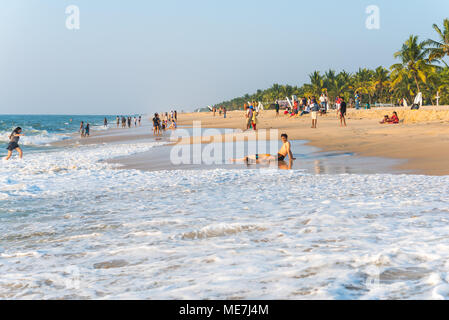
<point>167,120</point>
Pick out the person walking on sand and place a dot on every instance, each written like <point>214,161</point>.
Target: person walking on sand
<point>254,120</point>
<point>342,112</point>
<point>14,138</point>
<point>314,112</point>
<point>249,117</point>
<point>224,113</point>
<point>277,107</point>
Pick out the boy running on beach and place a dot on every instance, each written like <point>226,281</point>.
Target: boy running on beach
<point>285,151</point>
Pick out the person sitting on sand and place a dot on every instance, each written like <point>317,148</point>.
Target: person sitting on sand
<point>172,125</point>
<point>285,151</point>
<point>394,118</point>
<point>386,119</point>
<point>14,138</point>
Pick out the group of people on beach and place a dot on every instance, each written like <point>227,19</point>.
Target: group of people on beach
<point>127,122</point>
<point>314,107</point>
<point>221,110</point>
<point>164,122</point>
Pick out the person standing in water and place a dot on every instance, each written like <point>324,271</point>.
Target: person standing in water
<point>156,121</point>
<point>82,130</point>
<point>14,138</point>
<point>105,122</point>
<point>87,131</point>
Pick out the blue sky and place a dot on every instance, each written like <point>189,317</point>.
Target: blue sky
<point>146,56</point>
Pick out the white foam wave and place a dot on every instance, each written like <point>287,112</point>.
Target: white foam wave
<point>35,138</point>
<point>252,234</point>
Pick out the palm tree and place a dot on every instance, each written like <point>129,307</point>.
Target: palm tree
<point>440,48</point>
<point>342,83</point>
<point>316,83</point>
<point>363,80</point>
<point>330,81</point>
<point>414,63</point>
<point>381,80</point>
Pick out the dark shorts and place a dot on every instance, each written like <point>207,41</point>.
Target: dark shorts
<point>281,157</point>
<point>12,146</point>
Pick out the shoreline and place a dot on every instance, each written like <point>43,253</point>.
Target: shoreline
<point>420,142</point>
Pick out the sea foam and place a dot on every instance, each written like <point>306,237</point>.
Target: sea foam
<point>101,232</point>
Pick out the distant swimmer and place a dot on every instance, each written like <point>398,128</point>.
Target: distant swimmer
<point>14,138</point>
<point>285,151</point>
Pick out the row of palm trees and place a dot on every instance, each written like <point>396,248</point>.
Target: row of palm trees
<point>421,68</point>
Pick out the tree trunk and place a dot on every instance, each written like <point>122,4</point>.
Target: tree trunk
<point>417,84</point>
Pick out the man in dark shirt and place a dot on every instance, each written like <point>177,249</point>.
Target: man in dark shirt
<point>156,130</point>
<point>342,112</point>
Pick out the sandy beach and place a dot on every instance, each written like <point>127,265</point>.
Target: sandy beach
<point>422,138</point>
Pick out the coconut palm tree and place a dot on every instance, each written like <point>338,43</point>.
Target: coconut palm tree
<point>330,81</point>
<point>414,61</point>
<point>440,48</point>
<point>316,83</point>
<point>381,81</point>
<point>363,81</point>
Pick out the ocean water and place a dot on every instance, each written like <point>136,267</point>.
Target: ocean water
<point>41,130</point>
<point>74,227</point>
